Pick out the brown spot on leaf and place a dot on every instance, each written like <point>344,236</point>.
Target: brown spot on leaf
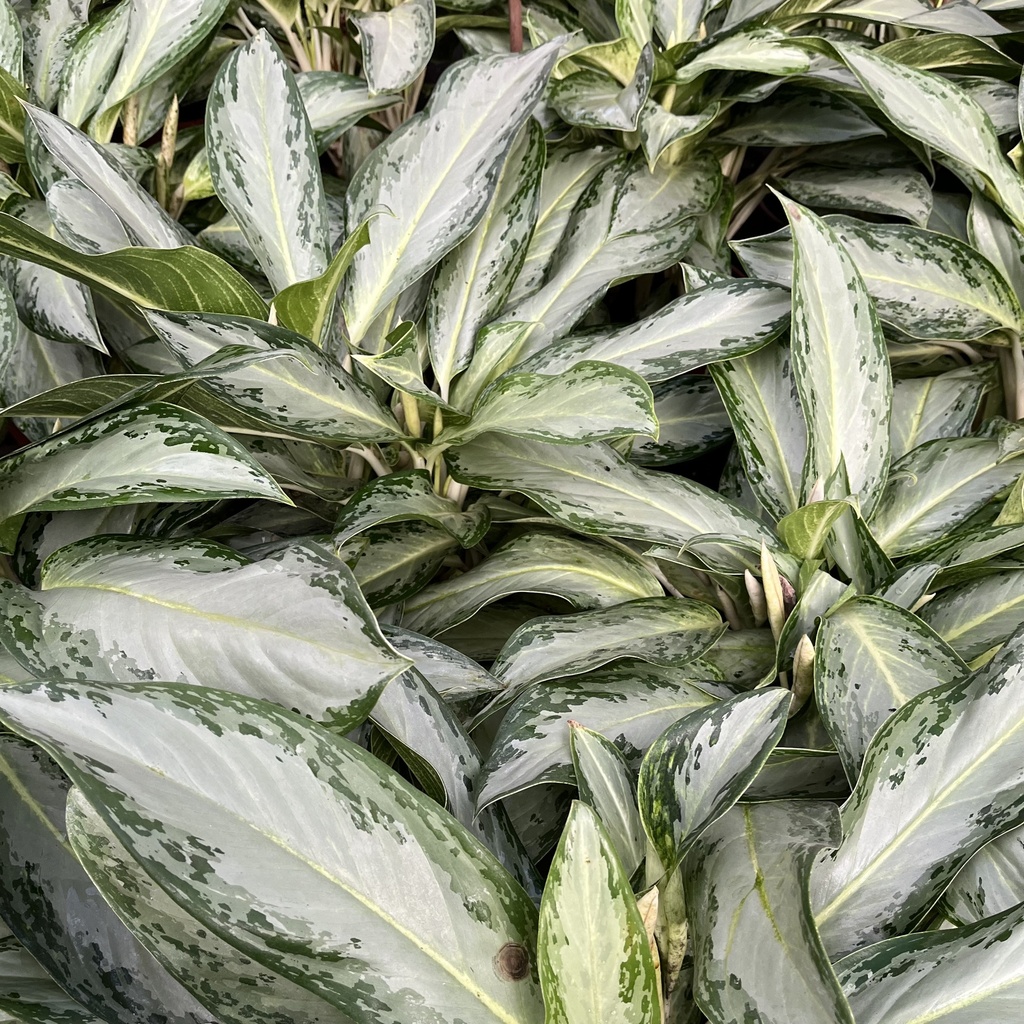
<point>512,962</point>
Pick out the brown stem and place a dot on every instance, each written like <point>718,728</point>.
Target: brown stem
<point>515,26</point>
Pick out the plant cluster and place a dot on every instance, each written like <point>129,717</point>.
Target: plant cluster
<point>511,514</point>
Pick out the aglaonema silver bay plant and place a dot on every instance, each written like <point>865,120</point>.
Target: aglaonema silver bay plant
<point>511,514</point>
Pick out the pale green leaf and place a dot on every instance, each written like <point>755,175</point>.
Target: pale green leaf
<point>980,614</point>
<point>595,960</point>
<point>396,44</point>
<point>83,220</point>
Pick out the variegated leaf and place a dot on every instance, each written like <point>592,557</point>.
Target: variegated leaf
<point>382,941</point>
<point>839,364</point>
<point>596,491</point>
<point>86,77</point>
<point>913,819</point>
<point>409,495</point>
<point>871,657</point>
<point>628,221</point>
<point>396,44</point>
<point>595,960</point>
<point>473,281</point>
<point>664,631</point>
<point>700,766</point>
<point>263,162</point>
<point>941,115</point>
<point>926,284</point>
<point>587,574</point>
<point>454,676</point>
<point>606,784</point>
<point>82,158</point>
<point>335,102</point>
<point>760,395</point>
<point>630,705</point>
<point>316,650</point>
<point>83,220</point>
<point>309,397</point>
<point>394,561</point>
<point>721,321</point>
<point>766,51</point>
<point>929,408</point>
<point>40,364</point>
<point>946,977</point>
<point>427,733</point>
<point>49,32</point>
<point>594,99</point>
<point>806,117</point>
<point>754,941</point>
<point>566,176</point>
<point>659,128</point>
<point>991,882</point>
<point>52,305</point>
<point>161,33</point>
<point>153,452</point>
<point>922,502</point>
<point>53,908</point>
<point>246,992</point>
<point>691,420</point>
<point>421,174</point>
<point>12,118</point>
<point>12,45</point>
<point>979,615</point>
<point>29,994</point>
<point>679,21</point>
<point>890,191</point>
<point>590,401</point>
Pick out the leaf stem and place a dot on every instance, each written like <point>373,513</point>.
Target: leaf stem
<point>515,26</point>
